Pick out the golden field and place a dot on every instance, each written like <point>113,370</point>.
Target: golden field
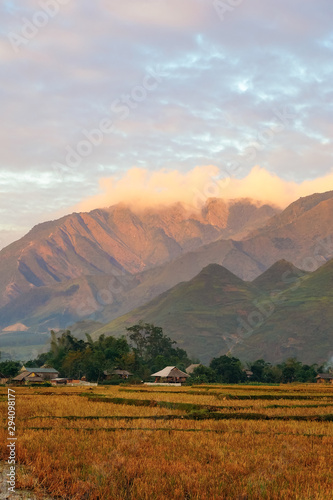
<point>205,442</point>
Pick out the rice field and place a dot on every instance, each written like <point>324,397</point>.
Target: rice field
<point>142,442</point>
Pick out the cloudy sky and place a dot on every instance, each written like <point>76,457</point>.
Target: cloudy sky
<point>106,99</point>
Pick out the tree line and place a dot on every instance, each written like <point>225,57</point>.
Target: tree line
<point>142,351</point>
<point>146,349</point>
<point>230,370</point>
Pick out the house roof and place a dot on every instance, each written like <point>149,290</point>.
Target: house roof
<point>170,371</point>
<point>121,372</point>
<point>21,376</point>
<point>190,369</point>
<point>38,369</point>
<point>27,375</point>
<point>34,379</point>
<point>325,375</point>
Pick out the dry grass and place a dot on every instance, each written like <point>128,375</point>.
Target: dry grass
<point>141,454</point>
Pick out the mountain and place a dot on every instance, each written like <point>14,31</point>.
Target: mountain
<point>105,297</point>
<point>301,234</point>
<point>298,325</point>
<point>217,313</point>
<point>103,264</point>
<point>198,314</point>
<point>279,276</point>
<point>48,274</point>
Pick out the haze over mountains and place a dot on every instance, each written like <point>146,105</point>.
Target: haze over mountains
<point>106,263</point>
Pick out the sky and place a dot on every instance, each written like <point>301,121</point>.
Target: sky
<point>161,100</point>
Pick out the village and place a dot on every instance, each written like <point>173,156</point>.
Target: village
<point>168,376</point>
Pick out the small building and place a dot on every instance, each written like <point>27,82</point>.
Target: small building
<point>248,373</point>
<point>35,375</point>
<point>25,378</point>
<point>3,378</point>
<point>123,374</point>
<point>59,381</point>
<point>170,375</point>
<point>324,378</point>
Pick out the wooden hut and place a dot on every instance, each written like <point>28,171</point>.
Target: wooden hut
<point>3,378</point>
<point>35,375</point>
<point>26,377</point>
<point>170,375</point>
<point>114,374</point>
<point>324,378</point>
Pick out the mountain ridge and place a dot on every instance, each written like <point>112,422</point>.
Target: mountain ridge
<point>88,265</point>
<point>113,240</point>
<point>217,313</point>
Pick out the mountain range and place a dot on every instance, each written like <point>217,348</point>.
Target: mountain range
<point>52,276</point>
<point>117,265</point>
<point>285,312</point>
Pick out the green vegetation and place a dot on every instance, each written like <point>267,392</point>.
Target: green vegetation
<point>284,313</point>
<point>147,349</point>
<point>10,368</point>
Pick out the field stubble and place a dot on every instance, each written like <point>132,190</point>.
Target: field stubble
<point>105,445</point>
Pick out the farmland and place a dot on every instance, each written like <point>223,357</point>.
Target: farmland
<point>199,442</point>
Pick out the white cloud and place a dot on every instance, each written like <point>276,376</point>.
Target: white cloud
<point>222,80</point>
<point>141,188</point>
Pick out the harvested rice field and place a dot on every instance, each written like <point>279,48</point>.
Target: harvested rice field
<point>183,443</point>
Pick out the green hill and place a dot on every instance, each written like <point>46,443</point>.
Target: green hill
<point>198,314</point>
<point>283,313</point>
<point>279,276</point>
<point>300,325</point>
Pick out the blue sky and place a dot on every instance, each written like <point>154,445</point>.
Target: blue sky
<point>92,90</point>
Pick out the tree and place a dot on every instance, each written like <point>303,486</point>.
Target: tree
<point>138,336</point>
<point>307,373</point>
<point>203,374</point>
<point>154,350</point>
<point>150,341</point>
<point>10,368</point>
<point>42,359</point>
<point>290,370</point>
<point>228,369</point>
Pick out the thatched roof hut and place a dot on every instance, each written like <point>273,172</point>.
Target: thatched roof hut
<point>124,374</point>
<point>324,378</point>
<point>35,375</point>
<point>170,374</point>
<point>24,377</point>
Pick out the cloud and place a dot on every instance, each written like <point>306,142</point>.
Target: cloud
<point>141,188</point>
<point>170,13</point>
<point>221,82</point>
